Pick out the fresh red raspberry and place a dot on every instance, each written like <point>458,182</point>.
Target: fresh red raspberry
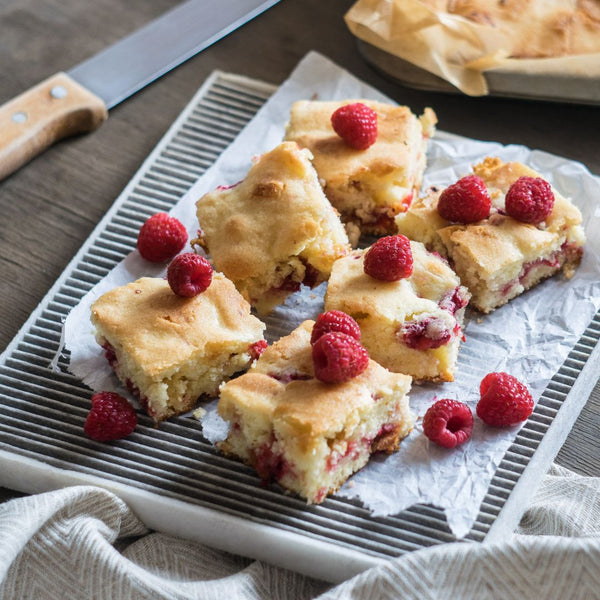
<point>161,237</point>
<point>504,400</point>
<point>466,201</point>
<point>338,357</point>
<point>529,199</point>
<point>189,274</point>
<point>110,418</point>
<point>448,423</point>
<point>389,258</point>
<point>335,320</point>
<point>356,124</point>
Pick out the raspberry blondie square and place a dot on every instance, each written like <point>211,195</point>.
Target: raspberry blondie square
<point>273,231</point>
<point>308,435</point>
<point>368,187</point>
<point>499,257</point>
<point>412,325</point>
<point>170,350</point>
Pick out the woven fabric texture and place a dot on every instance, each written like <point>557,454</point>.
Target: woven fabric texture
<point>84,542</point>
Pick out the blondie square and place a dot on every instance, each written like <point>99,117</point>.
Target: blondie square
<point>499,258</point>
<point>170,350</point>
<point>411,326</point>
<point>368,187</point>
<point>273,231</point>
<point>307,435</point>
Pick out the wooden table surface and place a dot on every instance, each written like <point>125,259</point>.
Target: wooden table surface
<point>51,205</point>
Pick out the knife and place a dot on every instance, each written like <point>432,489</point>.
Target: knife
<point>78,101</point>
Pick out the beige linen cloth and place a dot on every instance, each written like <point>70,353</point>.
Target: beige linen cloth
<point>84,542</point>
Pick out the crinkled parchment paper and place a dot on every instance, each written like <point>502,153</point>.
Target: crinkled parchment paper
<point>457,49</point>
<point>544,323</point>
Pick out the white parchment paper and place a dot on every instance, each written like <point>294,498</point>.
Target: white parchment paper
<point>530,337</point>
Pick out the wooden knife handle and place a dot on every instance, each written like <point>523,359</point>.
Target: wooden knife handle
<point>54,109</point>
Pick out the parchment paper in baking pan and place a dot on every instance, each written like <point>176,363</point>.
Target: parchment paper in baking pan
<point>544,323</point>
<point>473,57</point>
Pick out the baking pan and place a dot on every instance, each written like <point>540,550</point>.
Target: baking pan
<point>501,82</point>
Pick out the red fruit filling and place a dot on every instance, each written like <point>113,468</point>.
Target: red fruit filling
<point>286,377</point>
<point>321,495</point>
<point>355,448</point>
<point>312,277</point>
<point>529,199</point>
<point>466,201</point>
<point>270,465</point>
<point>228,187</point>
<point>356,124</point>
<point>568,252</point>
<point>337,357</point>
<point>425,334</point>
<point>453,301</point>
<point>353,451</point>
<point>257,349</point>
<point>448,423</point>
<point>389,258</point>
<point>504,401</point>
<point>110,355</point>
<point>335,320</point>
<point>161,237</point>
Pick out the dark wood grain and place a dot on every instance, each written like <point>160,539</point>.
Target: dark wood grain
<point>50,206</point>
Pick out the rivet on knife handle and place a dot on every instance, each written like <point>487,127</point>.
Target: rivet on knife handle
<point>54,109</point>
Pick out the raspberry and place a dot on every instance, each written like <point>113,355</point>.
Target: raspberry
<point>389,258</point>
<point>161,237</point>
<point>257,349</point>
<point>189,274</point>
<point>466,201</point>
<point>504,400</point>
<point>356,124</point>
<point>338,357</point>
<point>455,300</point>
<point>425,334</point>
<point>448,423</point>
<point>529,199</point>
<point>335,320</point>
<point>110,418</point>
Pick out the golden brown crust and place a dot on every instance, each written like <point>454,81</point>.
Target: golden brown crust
<point>397,133</point>
<point>159,329</point>
<point>388,441</point>
<point>271,225</point>
<point>492,248</point>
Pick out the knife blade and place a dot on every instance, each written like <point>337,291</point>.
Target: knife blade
<point>77,101</point>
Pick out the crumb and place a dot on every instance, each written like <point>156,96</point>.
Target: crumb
<point>199,413</point>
